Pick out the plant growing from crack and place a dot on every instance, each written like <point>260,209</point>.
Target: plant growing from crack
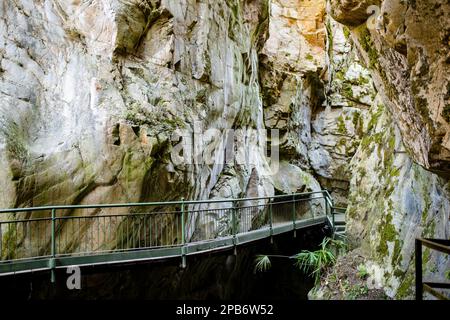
<point>312,262</point>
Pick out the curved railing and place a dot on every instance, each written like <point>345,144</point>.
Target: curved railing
<point>49,237</point>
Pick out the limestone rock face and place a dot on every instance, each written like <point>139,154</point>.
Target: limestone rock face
<point>405,44</point>
<point>290,64</point>
<point>336,127</point>
<point>352,12</point>
<point>96,96</point>
<point>393,199</point>
<point>392,202</point>
<point>99,98</point>
<point>314,91</point>
<point>146,100</point>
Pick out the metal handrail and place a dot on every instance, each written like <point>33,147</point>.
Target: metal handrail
<point>441,245</point>
<point>130,231</point>
<point>148,204</point>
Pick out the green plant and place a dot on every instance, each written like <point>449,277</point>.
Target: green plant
<point>447,274</point>
<point>357,291</point>
<point>262,263</point>
<point>338,247</point>
<point>362,271</point>
<point>313,262</point>
<point>317,261</point>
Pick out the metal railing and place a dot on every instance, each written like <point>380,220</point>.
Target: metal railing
<point>54,232</point>
<point>440,245</point>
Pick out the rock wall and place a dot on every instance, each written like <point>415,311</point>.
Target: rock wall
<point>406,45</point>
<point>98,98</point>
<point>392,202</point>
<point>399,187</point>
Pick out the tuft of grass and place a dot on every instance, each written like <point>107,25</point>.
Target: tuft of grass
<point>262,263</point>
<point>315,262</point>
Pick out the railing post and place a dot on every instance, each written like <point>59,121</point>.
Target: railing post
<point>294,214</point>
<point>1,241</point>
<point>233,226</point>
<point>271,222</point>
<point>333,218</point>
<point>183,236</point>
<point>329,206</point>
<point>419,283</point>
<point>52,262</point>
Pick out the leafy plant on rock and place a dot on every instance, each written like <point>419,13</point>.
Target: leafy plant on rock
<point>312,262</point>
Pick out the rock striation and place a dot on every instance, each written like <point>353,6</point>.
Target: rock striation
<point>153,100</point>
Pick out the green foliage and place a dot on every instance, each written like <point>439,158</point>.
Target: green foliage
<point>447,274</point>
<point>317,261</point>
<point>313,262</point>
<point>362,271</point>
<point>346,32</point>
<point>341,125</point>
<point>367,44</point>
<point>262,263</point>
<point>356,291</point>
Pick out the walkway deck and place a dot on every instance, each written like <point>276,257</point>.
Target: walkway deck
<point>47,238</point>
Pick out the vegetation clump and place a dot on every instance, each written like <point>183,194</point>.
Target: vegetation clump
<point>312,262</point>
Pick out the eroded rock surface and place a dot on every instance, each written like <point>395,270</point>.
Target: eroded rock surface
<point>97,98</point>
<point>406,45</point>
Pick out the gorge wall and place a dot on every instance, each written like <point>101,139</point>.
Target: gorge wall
<point>97,96</point>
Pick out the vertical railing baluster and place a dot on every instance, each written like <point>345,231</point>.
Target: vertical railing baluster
<point>271,221</point>
<point>294,214</point>
<point>15,237</point>
<point>127,234</point>
<point>145,230</point>
<point>66,223</point>
<point>8,243</point>
<point>98,233</point>
<point>38,242</point>
<point>91,225</point>
<point>80,244</point>
<point>52,263</point>
<point>110,219</point>
<point>1,242</point>
<point>183,235</point>
<point>58,239</point>
<point>333,218</point>
<point>139,231</point>
<point>150,229</point>
<point>234,226</point>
